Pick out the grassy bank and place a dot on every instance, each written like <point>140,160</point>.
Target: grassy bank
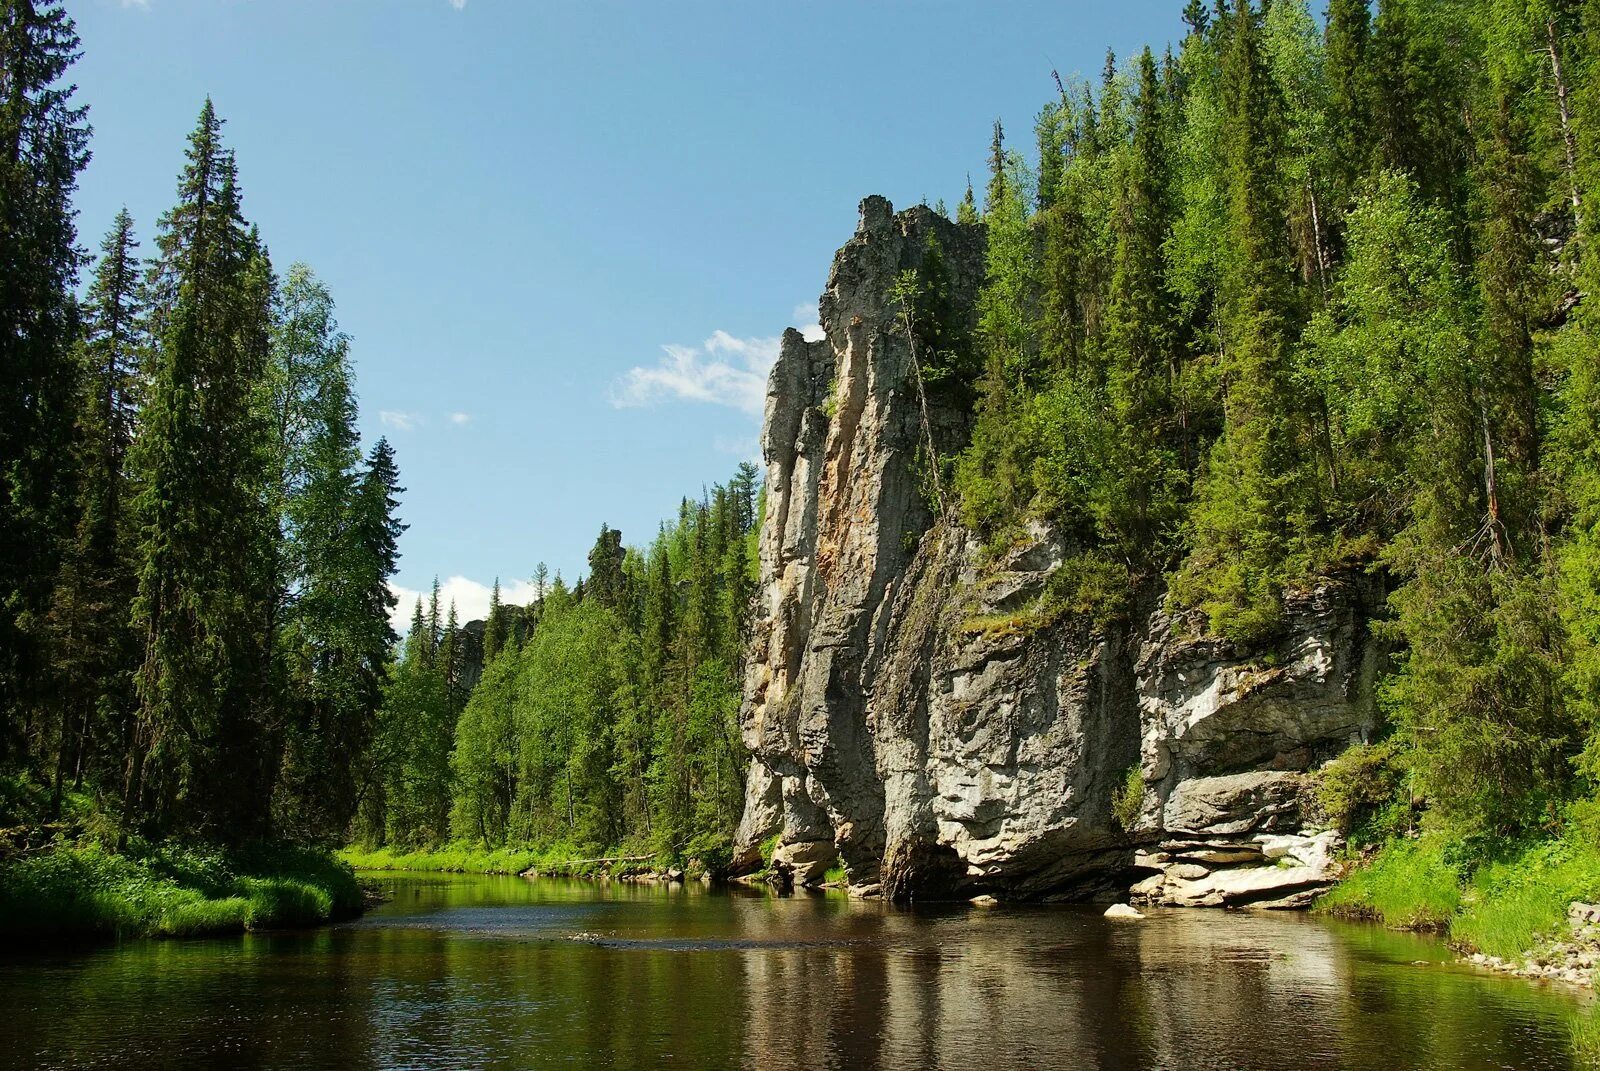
<point>70,891</point>
<point>476,859</point>
<point>1502,901</point>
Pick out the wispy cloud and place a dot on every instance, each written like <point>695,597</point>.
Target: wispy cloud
<point>399,419</point>
<point>723,370</point>
<point>470,597</point>
<point>809,319</point>
<point>461,418</point>
<point>144,5</point>
<point>458,4</point>
<point>743,447</point>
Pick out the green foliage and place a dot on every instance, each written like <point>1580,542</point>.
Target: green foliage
<point>170,891</point>
<point>1505,898</point>
<point>1362,793</point>
<point>44,148</point>
<point>1409,884</point>
<point>607,726</point>
<point>1128,800</point>
<point>1514,904</point>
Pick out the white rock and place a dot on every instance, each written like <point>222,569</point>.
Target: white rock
<point>1122,911</point>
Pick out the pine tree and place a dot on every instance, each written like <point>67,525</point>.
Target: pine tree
<point>199,756</point>
<point>43,147</point>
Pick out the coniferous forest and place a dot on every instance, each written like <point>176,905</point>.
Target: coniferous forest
<point>201,685</point>
<point>1306,295</point>
<point>1309,298</point>
<point>602,714</point>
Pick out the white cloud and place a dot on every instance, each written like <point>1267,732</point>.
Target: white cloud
<point>809,319</point>
<point>143,5</point>
<point>460,418</point>
<point>398,419</point>
<point>743,447</point>
<point>470,597</point>
<point>458,4</point>
<point>723,370</point>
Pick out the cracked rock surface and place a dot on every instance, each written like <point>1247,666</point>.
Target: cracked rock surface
<point>909,712</point>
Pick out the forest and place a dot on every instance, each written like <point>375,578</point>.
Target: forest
<point>600,718</point>
<point>202,690</point>
<point>1308,298</point>
<point>194,608</point>
<point>1304,296</point>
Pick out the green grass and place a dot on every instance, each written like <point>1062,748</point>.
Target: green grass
<point>1505,906</point>
<point>1410,884</point>
<point>476,859</point>
<point>170,891</point>
<point>1128,800</point>
<point>1511,905</point>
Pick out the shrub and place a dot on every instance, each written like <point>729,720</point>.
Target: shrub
<point>1360,793</point>
<point>1128,800</point>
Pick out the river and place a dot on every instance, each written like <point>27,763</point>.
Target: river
<point>463,971</point>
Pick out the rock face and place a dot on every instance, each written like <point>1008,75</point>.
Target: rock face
<point>912,712</point>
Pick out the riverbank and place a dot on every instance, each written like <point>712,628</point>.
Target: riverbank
<point>563,859</point>
<point>1520,909</point>
<point>72,892</point>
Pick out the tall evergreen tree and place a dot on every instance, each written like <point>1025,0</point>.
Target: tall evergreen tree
<point>92,647</point>
<point>200,756</point>
<point>1255,508</point>
<point>338,554</point>
<point>43,146</point>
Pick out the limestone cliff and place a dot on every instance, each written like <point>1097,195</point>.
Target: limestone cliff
<point>907,715</point>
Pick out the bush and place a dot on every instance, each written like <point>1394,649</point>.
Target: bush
<point>1128,800</point>
<point>1361,793</point>
<point>713,852</point>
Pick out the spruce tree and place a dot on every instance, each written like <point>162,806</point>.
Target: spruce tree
<point>43,147</point>
<point>996,193</point>
<point>494,628</point>
<point>200,755</point>
<point>334,566</point>
<point>1255,507</point>
<point>1350,90</point>
<point>92,647</point>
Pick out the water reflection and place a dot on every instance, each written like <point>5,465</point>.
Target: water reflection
<point>498,972</point>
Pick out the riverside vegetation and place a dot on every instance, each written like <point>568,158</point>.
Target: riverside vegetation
<point>1301,300</point>
<point>194,607</point>
<point>1296,301</point>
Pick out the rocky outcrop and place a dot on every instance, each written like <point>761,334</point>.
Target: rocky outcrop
<point>914,709</point>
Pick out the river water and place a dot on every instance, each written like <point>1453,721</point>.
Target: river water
<point>458,971</point>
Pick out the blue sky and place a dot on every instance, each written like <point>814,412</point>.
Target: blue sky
<point>565,236</point>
